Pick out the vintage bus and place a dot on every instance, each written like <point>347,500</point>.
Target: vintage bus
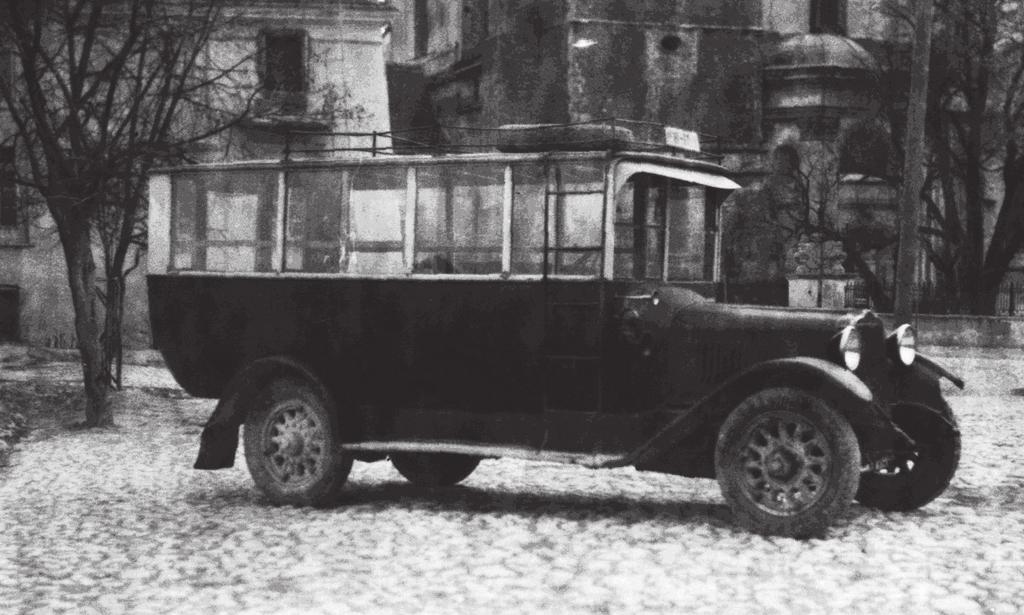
<point>436,310</point>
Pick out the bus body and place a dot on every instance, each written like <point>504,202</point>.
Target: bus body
<point>546,305</point>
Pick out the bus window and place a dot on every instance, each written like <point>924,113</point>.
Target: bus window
<point>314,232</point>
<point>184,200</point>
<point>640,228</point>
<point>376,221</point>
<point>224,221</point>
<point>688,252</point>
<point>458,219</point>
<point>528,189</point>
<point>644,207</point>
<point>574,192</point>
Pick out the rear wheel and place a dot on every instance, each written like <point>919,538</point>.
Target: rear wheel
<point>434,469</point>
<point>915,477</point>
<point>290,445</point>
<point>787,463</point>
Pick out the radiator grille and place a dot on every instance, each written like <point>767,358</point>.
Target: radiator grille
<point>873,364</point>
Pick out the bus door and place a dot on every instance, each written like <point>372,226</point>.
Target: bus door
<point>573,299</point>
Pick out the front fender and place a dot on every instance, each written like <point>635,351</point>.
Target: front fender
<point>816,376</point>
<point>918,384</point>
<point>841,388</point>
<point>219,440</point>
<point>927,364</point>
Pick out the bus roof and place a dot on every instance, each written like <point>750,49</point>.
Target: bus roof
<point>608,139</point>
<point>660,159</point>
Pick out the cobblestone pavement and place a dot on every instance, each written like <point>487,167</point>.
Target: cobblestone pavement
<point>116,521</point>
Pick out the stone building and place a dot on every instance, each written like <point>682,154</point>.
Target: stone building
<point>791,94</point>
<point>318,65</point>
<point>787,88</point>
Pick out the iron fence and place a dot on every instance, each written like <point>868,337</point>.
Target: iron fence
<point>931,299</point>
<point>600,134</point>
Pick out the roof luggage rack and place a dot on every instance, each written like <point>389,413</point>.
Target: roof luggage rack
<point>587,136</point>
<point>609,134</point>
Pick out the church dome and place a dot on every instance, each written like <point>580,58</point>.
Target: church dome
<point>821,51</point>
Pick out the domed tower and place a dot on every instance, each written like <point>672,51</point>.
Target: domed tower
<point>830,160</point>
<point>812,83</point>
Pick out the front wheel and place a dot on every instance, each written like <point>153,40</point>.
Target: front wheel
<point>914,477</point>
<point>291,447</point>
<point>434,469</point>
<point>787,463</point>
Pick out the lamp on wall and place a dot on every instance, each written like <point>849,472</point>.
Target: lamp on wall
<point>584,43</point>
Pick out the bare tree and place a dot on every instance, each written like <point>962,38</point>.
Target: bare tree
<point>801,202</point>
<point>974,128</point>
<point>817,186</point>
<point>102,92</point>
<point>973,192</point>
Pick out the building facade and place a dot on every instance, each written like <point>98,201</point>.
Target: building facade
<point>795,95</point>
<point>791,93</point>
<point>697,63</point>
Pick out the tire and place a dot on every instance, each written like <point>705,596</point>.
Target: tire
<point>290,442</point>
<point>915,478</point>
<point>787,463</point>
<point>434,469</point>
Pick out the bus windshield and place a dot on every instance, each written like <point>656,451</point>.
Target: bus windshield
<point>662,230</point>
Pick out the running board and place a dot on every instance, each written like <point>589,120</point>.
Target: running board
<point>589,460</point>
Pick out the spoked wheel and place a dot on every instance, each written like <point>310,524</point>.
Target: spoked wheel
<point>290,449</point>
<point>914,477</point>
<point>434,469</point>
<point>787,464</point>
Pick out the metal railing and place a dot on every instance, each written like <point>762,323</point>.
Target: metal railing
<point>605,133</point>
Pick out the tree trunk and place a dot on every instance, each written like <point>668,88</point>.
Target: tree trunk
<point>112,327</point>
<point>988,295</point>
<point>913,165</point>
<point>77,243</point>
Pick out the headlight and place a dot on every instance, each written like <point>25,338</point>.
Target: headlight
<point>850,347</point>
<point>902,345</point>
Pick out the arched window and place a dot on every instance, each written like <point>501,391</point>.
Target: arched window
<point>785,186</point>
<point>865,149</point>
<point>421,28</point>
<point>785,161</point>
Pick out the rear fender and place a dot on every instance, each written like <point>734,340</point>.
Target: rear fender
<point>843,390</point>
<point>219,440</point>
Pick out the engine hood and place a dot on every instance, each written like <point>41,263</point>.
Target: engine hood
<point>701,343</point>
<point>685,309</point>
